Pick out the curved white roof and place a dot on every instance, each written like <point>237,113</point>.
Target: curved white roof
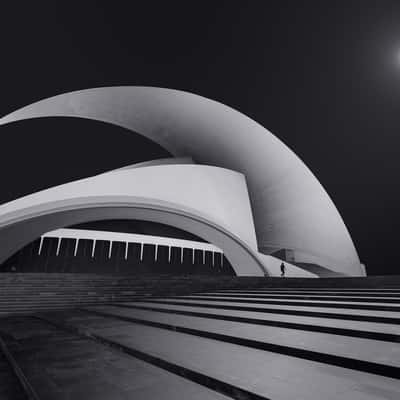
<point>211,202</point>
<point>291,209</point>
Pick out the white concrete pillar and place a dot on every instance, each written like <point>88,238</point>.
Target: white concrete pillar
<point>110,249</point>
<point>126,250</point>
<point>58,246</point>
<point>40,245</point>
<point>141,251</point>
<point>93,247</point>
<point>76,247</point>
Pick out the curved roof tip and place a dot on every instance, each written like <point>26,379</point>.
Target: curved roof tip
<point>157,162</point>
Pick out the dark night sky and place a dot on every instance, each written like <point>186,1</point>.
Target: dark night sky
<point>324,76</point>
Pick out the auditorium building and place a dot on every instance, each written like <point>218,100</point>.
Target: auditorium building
<point>183,274</point>
<point>231,200</point>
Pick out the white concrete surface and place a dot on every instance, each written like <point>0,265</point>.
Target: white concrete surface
<point>171,194</point>
<point>291,208</point>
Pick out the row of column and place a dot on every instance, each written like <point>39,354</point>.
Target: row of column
<point>70,255</point>
<point>126,252</point>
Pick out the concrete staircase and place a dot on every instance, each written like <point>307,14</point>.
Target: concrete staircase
<point>30,292</point>
<point>257,338</point>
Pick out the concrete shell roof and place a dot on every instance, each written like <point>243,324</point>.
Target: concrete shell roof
<point>211,202</point>
<point>290,207</point>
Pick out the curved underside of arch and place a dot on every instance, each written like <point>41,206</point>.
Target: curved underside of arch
<point>291,209</point>
<point>126,194</point>
<point>243,259</point>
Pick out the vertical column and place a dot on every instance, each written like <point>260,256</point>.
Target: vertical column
<point>40,245</point>
<point>76,247</point>
<point>126,250</point>
<point>93,247</point>
<point>141,251</point>
<point>58,246</point>
<point>110,249</point>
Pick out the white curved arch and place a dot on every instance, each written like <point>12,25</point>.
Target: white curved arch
<point>170,194</point>
<point>158,161</point>
<point>291,209</point>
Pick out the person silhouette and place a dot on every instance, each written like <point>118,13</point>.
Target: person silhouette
<point>282,269</point>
